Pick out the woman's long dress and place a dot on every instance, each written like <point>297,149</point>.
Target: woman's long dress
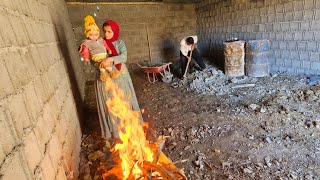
<point>108,128</point>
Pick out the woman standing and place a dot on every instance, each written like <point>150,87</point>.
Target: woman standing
<point>117,60</point>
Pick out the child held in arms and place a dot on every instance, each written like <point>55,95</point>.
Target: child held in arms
<point>96,48</point>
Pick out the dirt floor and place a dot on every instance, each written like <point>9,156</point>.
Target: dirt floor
<point>225,128</point>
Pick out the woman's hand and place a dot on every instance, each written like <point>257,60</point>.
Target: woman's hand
<point>107,62</point>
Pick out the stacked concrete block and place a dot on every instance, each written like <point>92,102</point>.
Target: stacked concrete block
<point>36,46</point>
<point>291,26</point>
<point>167,24</point>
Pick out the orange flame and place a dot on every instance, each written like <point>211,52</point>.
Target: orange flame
<point>135,148</point>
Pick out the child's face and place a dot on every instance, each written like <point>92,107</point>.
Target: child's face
<point>93,36</point>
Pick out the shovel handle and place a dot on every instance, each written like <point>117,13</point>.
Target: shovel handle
<point>185,72</point>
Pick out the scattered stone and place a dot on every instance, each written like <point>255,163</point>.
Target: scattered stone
<point>263,110</point>
<point>247,170</point>
<point>268,139</point>
<point>308,123</point>
<point>195,141</point>
<point>187,147</point>
<point>226,165</point>
<point>293,176</point>
<point>253,106</point>
<point>267,161</point>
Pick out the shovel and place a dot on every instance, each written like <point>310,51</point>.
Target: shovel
<point>185,72</point>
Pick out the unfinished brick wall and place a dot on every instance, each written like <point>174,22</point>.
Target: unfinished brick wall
<point>40,133</point>
<point>167,24</point>
<point>292,26</point>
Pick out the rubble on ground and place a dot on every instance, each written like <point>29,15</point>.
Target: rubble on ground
<point>236,128</point>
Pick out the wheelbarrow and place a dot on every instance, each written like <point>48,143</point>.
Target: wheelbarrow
<point>162,69</point>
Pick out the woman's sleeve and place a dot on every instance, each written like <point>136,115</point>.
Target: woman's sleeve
<point>122,53</point>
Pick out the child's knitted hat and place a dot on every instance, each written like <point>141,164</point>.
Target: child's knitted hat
<point>90,25</point>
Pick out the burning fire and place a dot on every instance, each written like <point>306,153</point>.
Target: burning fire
<point>139,158</point>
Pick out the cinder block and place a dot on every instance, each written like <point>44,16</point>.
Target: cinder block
<point>280,36</point>
<point>283,69</point>
<point>288,36</point>
<point>6,31</point>
<point>298,15</point>
<point>47,169</point>
<point>291,71</point>
<point>305,26</point>
<point>308,36</point>
<point>288,62</point>
<point>315,66</point>
<point>13,168</point>
<point>76,12</point>
<point>22,7</point>
<point>298,36</point>
<point>285,26</point>
<point>31,151</point>
<point>314,56</point>
<point>18,114</point>
<point>6,86</point>
<point>279,62</point>
<point>300,71</point>
<point>317,35</point>
<point>48,88</point>
<point>279,8</point>
<point>271,18</point>
<point>288,7</point>
<point>295,55</point>
<point>312,46</point>
<point>55,151</point>
<point>308,15</point>
<point>286,55</point>
<point>8,137</point>
<point>304,55</point>
<point>264,19</point>
<point>7,4</point>
<point>19,74</point>
<point>19,30</point>
<point>40,89</point>
<point>302,46</point>
<point>43,133</point>
<point>317,4</point>
<point>317,14</point>
<point>288,16</point>
<point>295,26</point>
<point>296,64</point>
<point>277,54</point>
<point>61,175</point>
<point>283,45</point>
<point>276,27</point>
<point>315,26</point>
<point>33,105</point>
<point>31,31</point>
<point>309,4</point>
<point>298,5</point>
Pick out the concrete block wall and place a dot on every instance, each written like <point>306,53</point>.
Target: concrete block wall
<point>292,26</point>
<point>167,24</point>
<point>40,133</point>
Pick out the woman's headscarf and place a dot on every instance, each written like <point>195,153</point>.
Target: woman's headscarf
<point>116,33</point>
